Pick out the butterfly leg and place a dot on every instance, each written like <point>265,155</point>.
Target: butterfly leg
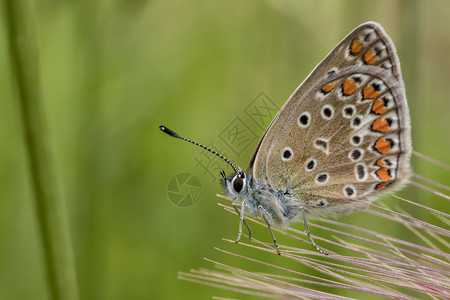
<point>240,224</point>
<point>309,235</point>
<point>241,220</point>
<point>266,219</point>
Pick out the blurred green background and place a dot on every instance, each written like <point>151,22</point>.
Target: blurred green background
<point>112,71</point>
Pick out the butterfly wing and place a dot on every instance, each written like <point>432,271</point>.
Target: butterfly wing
<point>344,135</point>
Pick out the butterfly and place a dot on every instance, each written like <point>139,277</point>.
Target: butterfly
<point>340,141</point>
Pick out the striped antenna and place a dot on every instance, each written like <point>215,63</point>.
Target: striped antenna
<point>176,135</point>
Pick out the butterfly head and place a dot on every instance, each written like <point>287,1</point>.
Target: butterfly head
<point>236,185</point>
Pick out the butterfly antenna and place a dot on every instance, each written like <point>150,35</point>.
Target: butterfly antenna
<point>176,135</point>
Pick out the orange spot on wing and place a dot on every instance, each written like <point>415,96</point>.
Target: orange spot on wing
<point>369,93</point>
<point>348,87</point>
<point>381,185</point>
<point>369,58</point>
<point>378,107</point>
<point>381,163</point>
<point>383,146</point>
<point>328,88</point>
<point>380,125</point>
<point>383,174</point>
<point>356,46</point>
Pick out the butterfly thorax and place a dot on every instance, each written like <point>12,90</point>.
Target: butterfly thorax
<point>280,206</point>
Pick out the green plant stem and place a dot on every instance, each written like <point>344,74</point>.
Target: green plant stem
<point>49,204</point>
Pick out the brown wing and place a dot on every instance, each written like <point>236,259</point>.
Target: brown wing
<point>344,133</point>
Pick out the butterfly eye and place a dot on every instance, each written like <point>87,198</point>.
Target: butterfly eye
<point>238,183</point>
